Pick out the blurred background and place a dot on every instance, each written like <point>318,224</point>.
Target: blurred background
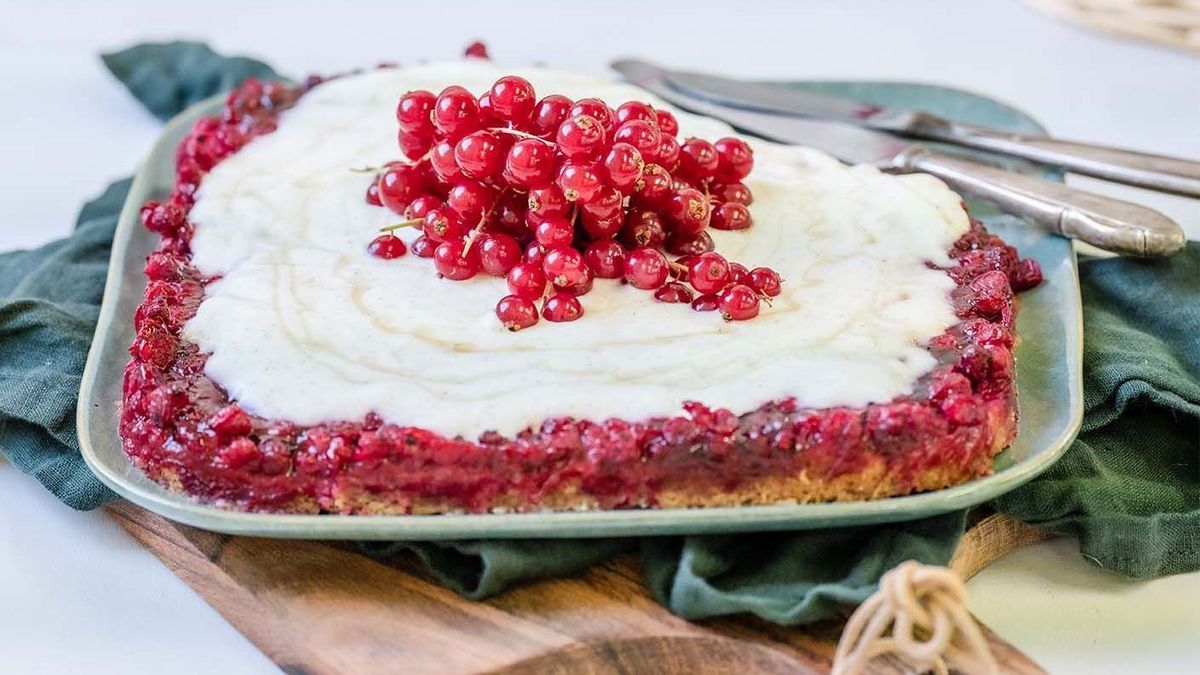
<point>68,128</point>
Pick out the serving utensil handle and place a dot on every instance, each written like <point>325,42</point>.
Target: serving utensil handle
<point>1111,224</point>
<point>1161,173</point>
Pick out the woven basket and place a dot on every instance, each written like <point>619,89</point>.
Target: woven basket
<point>1171,22</point>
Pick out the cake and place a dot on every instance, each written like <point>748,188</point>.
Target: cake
<point>287,362</point>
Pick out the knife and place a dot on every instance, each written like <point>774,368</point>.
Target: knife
<point>1111,224</point>
<point>1156,172</point>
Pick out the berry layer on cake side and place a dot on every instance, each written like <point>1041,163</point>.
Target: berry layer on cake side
<point>483,301</point>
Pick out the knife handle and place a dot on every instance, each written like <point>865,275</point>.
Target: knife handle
<point>1155,172</point>
<point>1111,224</point>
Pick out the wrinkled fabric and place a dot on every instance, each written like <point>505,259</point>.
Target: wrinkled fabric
<point>1128,488</point>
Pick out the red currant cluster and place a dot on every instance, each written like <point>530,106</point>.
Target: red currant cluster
<point>554,193</point>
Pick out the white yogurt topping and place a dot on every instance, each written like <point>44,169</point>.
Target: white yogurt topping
<point>306,326</point>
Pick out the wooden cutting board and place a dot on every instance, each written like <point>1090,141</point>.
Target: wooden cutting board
<point>319,608</point>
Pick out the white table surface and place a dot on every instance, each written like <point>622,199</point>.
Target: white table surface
<point>77,594</point>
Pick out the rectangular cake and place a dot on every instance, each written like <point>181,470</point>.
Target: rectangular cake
<point>480,300</point>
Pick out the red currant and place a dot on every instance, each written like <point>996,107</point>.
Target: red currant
<point>476,50</point>
<point>510,214</point>
<point>1026,275</point>
<point>635,110</point>
<point>498,253</point>
<point>596,109</point>
<point>580,137</point>
<point>705,303</point>
<point>415,144</point>
<point>554,231</point>
<point>643,228</point>
<point>443,223</point>
<point>738,303</point>
<point>653,188</point>
<point>512,98</point>
<point>579,182</point>
<point>423,247</point>
<point>399,184</point>
<point>419,207</point>
<point>546,202</point>
<point>640,134</point>
<point>606,258</point>
<point>698,158</point>
<point>667,124</point>
<point>166,219</point>
<point>373,193</point>
<point>668,153</point>
<point>533,253</point>
<point>443,162</point>
<point>766,281</point>
<point>681,245</point>
<point>673,292</point>
<point>737,193</point>
<point>738,274</point>
<point>413,111</point>
<point>527,280</point>
<point>471,199</point>
<point>708,272</point>
<point>516,313</point>
<point>680,269</point>
<point>689,212</point>
<point>735,160</point>
<point>584,286</point>
<point>564,266</point>
<point>730,216</point>
<point>562,307</point>
<point>387,246</point>
<point>623,166</point>
<point>231,421</point>
<point>456,112</point>
<point>646,268</point>
<point>454,260</point>
<point>530,164</point>
<point>600,227</point>
<point>479,155</point>
<point>487,115</point>
<point>549,114</point>
<point>607,204</point>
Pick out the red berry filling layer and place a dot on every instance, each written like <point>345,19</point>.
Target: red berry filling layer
<point>180,427</point>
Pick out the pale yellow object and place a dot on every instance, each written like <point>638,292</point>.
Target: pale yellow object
<point>1172,22</point>
<point>925,607</point>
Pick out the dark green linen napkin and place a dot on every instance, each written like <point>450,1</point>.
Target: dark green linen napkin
<point>1128,489</point>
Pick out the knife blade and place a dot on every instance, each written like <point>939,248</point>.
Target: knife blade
<point>1112,224</point>
<point>788,101</point>
<point>1172,175</point>
<point>846,142</point>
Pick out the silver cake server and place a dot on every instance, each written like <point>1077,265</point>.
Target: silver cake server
<point>1111,224</point>
<point>1155,172</point>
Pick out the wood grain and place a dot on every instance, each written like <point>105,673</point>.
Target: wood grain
<point>318,608</point>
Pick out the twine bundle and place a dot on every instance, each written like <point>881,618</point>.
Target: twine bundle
<point>931,629</point>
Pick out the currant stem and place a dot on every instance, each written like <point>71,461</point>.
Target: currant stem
<point>471,237</point>
<point>397,226</point>
<point>522,134</point>
<point>478,229</point>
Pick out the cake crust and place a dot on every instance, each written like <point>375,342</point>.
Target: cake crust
<point>183,431</point>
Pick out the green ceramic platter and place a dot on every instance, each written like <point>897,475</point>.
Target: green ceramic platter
<point>1048,378</point>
